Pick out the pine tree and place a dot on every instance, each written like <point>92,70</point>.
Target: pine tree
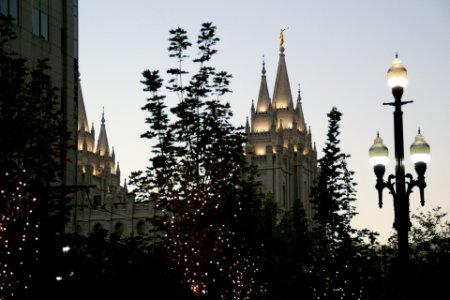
<point>338,274</point>
<point>198,180</point>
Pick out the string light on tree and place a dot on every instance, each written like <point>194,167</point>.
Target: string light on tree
<point>19,233</point>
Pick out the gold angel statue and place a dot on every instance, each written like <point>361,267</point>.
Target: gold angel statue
<point>281,36</point>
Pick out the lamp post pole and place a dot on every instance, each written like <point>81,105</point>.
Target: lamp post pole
<point>402,222</point>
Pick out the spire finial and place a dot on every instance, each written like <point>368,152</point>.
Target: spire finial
<point>103,115</point>
<point>396,54</point>
<point>264,65</point>
<point>299,96</point>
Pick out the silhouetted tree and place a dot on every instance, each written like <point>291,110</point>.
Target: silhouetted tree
<point>31,139</point>
<point>198,179</point>
<point>337,268</point>
<point>103,266</point>
<point>287,255</point>
<point>429,255</point>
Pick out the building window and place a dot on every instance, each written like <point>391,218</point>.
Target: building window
<point>40,19</point>
<point>140,228</point>
<point>118,229</point>
<point>97,201</point>
<point>40,23</point>
<point>10,8</point>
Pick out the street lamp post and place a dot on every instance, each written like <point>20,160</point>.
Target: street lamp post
<point>400,185</point>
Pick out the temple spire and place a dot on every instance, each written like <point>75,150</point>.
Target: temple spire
<point>83,124</point>
<point>247,127</point>
<point>263,103</point>
<point>299,112</point>
<point>282,97</point>
<point>102,143</point>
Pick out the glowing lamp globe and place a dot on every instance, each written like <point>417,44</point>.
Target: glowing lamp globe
<point>397,74</point>
<point>378,153</point>
<point>420,150</point>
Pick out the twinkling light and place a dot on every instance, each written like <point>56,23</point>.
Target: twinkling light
<point>208,255</point>
<point>18,232</point>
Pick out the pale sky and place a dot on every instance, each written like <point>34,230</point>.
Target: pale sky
<point>338,51</point>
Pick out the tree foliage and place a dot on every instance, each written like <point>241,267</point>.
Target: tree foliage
<point>31,140</point>
<point>429,241</point>
<point>198,180</point>
<point>287,255</point>
<point>338,265</point>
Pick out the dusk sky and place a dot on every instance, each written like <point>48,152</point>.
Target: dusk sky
<point>338,51</point>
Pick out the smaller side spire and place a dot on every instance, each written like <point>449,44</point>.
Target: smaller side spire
<point>247,127</point>
<point>262,106</point>
<point>118,171</point>
<point>299,112</point>
<point>125,185</point>
<point>102,143</point>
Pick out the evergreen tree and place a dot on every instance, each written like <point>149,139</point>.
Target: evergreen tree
<point>198,180</point>
<point>31,140</point>
<point>336,268</point>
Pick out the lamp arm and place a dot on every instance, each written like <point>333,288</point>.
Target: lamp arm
<point>411,183</point>
<point>391,185</point>
<point>381,184</point>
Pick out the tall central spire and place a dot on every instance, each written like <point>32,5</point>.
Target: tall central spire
<point>282,97</point>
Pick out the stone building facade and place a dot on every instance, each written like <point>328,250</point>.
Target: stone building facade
<point>48,30</point>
